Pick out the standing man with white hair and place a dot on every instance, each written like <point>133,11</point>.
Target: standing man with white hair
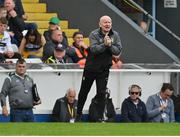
<point>104,43</point>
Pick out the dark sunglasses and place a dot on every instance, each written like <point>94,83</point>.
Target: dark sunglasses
<point>132,93</point>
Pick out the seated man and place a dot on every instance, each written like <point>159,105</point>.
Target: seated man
<point>16,24</point>
<point>133,109</point>
<point>48,48</point>
<point>54,25</point>
<point>3,11</point>
<point>6,48</point>
<point>59,56</point>
<point>160,106</point>
<point>78,49</point>
<point>65,108</point>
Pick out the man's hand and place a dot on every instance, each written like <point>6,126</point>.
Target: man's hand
<point>4,111</point>
<point>25,17</point>
<point>12,13</point>
<point>107,40</point>
<point>163,107</point>
<point>82,44</point>
<point>11,33</point>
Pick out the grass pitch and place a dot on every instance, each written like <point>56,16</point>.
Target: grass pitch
<point>95,129</point>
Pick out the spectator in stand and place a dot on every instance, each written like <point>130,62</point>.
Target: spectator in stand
<point>18,8</point>
<point>133,109</point>
<point>144,26</point>
<point>32,44</point>
<point>3,11</point>
<point>16,24</point>
<point>6,48</point>
<point>20,12</point>
<point>59,56</point>
<point>78,49</point>
<point>54,25</point>
<point>160,106</point>
<point>65,108</point>
<point>56,39</point>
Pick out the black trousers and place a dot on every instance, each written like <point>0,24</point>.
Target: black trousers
<point>87,81</point>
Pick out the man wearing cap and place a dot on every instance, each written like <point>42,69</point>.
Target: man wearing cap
<point>58,57</point>
<point>54,25</point>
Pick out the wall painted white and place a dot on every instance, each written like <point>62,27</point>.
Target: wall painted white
<point>52,86</point>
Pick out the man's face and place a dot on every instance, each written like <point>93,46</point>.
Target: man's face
<point>3,13</point>
<point>57,36</point>
<point>78,38</point>
<point>105,24</point>
<point>134,93</point>
<point>21,69</point>
<point>59,54</point>
<point>71,97</point>
<point>166,94</point>
<point>9,5</point>
<point>3,27</point>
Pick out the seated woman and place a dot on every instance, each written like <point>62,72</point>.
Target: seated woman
<point>32,44</point>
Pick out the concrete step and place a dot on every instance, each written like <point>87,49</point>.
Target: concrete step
<point>30,1</point>
<point>45,24</point>
<point>34,7</point>
<point>86,41</point>
<point>69,32</point>
<point>40,16</point>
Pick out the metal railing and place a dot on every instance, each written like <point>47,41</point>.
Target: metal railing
<point>150,17</point>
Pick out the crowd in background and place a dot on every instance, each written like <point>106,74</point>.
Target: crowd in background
<point>19,39</point>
